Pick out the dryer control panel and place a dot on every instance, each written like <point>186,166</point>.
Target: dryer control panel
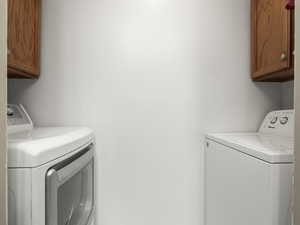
<point>279,122</point>
<point>18,119</point>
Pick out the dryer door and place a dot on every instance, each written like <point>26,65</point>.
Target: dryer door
<point>70,190</point>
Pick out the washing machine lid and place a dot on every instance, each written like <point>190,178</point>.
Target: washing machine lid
<point>33,148</point>
<point>267,147</point>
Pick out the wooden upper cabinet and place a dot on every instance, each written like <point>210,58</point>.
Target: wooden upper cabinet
<point>24,38</point>
<point>272,37</point>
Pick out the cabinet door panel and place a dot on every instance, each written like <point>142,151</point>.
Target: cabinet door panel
<point>271,43</point>
<point>24,36</point>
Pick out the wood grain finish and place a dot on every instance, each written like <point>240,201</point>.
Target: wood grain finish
<point>271,40</point>
<point>279,76</point>
<point>24,38</point>
<point>3,97</point>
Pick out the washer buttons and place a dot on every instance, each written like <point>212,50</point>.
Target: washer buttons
<point>274,120</point>
<point>284,120</point>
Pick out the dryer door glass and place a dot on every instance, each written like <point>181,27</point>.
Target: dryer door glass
<point>74,198</point>
<point>70,192</point>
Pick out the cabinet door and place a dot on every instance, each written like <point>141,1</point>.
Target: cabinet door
<point>24,37</point>
<point>271,37</point>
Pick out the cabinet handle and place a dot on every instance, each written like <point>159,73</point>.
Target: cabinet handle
<point>8,52</point>
<point>283,57</point>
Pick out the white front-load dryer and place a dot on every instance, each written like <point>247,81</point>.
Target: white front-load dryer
<point>50,173</point>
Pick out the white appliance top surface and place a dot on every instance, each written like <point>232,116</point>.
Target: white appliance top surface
<point>32,148</point>
<point>273,143</point>
<point>268,147</point>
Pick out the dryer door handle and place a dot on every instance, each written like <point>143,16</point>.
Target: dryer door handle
<point>74,167</point>
<point>52,185</point>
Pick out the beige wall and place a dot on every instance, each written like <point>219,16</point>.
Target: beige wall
<point>3,178</point>
<point>297,107</point>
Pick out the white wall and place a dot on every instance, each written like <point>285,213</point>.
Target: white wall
<point>151,77</point>
<point>287,95</point>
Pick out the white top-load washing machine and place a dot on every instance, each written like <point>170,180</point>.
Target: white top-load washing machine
<point>50,172</point>
<point>249,176</point>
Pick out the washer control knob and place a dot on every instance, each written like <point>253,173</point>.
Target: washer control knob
<point>274,120</point>
<point>284,120</point>
<point>207,144</point>
<point>10,111</point>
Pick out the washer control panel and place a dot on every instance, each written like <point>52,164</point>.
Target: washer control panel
<point>17,118</point>
<point>279,122</point>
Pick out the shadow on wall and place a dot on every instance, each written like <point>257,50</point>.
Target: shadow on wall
<point>14,87</point>
<point>287,95</point>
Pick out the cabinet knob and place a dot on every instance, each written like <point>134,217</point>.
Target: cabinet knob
<point>283,57</point>
<point>8,52</point>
